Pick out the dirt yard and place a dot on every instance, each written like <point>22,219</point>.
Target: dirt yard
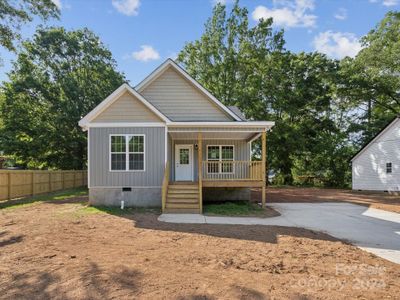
<point>293,194</point>
<point>64,250</point>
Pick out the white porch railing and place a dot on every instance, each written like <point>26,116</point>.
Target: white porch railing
<point>232,170</point>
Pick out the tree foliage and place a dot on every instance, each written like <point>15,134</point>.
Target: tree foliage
<point>15,13</point>
<point>250,68</point>
<point>371,81</point>
<point>58,77</point>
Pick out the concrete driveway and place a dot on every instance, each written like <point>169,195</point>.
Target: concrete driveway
<point>373,230</point>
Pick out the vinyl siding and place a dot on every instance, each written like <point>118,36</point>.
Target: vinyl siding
<point>241,151</point>
<point>369,168</point>
<point>179,100</point>
<point>127,108</point>
<point>99,145</point>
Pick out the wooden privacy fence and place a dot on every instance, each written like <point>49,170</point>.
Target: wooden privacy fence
<point>22,183</point>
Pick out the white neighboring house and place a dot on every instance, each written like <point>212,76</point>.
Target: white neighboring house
<point>376,167</point>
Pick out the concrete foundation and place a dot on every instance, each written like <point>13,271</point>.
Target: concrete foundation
<point>137,197</point>
<point>226,194</point>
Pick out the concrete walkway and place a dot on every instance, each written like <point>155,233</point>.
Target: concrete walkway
<point>373,230</point>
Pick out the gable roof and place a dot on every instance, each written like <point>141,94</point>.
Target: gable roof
<point>170,63</point>
<point>112,98</point>
<point>237,112</point>
<point>377,136</point>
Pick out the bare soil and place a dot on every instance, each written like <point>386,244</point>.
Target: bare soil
<point>379,200</point>
<point>62,250</point>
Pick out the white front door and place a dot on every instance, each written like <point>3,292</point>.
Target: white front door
<point>184,162</point>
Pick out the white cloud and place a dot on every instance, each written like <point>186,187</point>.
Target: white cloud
<point>147,53</point>
<point>337,44</point>
<point>386,2</point>
<point>390,2</point>
<point>57,3</point>
<point>341,14</point>
<point>288,13</point>
<point>127,7</point>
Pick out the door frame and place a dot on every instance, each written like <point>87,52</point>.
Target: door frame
<point>191,155</point>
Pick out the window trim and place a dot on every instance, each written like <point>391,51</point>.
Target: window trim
<point>126,135</point>
<point>391,168</point>
<point>220,160</point>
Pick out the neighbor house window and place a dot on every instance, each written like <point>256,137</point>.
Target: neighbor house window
<point>127,152</point>
<point>218,157</point>
<point>389,167</point>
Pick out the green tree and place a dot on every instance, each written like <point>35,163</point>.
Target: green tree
<point>224,57</point>
<point>306,116</point>
<point>371,81</point>
<point>58,77</point>
<point>250,68</point>
<point>13,14</point>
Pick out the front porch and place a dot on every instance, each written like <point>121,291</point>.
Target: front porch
<point>207,158</point>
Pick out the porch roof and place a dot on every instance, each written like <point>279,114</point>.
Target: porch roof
<point>265,125</point>
<point>219,130</point>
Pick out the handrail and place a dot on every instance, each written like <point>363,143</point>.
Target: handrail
<point>232,170</point>
<point>164,189</point>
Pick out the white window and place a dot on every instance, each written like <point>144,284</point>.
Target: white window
<point>127,152</point>
<point>388,168</point>
<point>218,158</point>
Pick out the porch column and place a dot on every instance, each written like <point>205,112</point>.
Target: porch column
<point>264,159</point>
<point>200,168</point>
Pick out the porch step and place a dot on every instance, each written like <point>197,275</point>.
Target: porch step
<point>177,187</point>
<point>183,195</point>
<point>183,191</point>
<point>182,198</point>
<point>181,211</point>
<point>183,205</point>
<point>190,183</point>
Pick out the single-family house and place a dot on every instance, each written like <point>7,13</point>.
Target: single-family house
<point>169,142</point>
<point>376,166</point>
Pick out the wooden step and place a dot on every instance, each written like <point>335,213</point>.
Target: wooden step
<point>183,183</point>
<point>183,201</point>
<point>181,211</point>
<point>184,191</point>
<point>182,205</point>
<point>183,196</point>
<point>183,187</point>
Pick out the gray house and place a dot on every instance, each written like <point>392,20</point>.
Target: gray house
<point>168,142</point>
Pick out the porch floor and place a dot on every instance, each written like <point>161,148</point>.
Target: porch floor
<point>221,183</point>
<point>232,183</point>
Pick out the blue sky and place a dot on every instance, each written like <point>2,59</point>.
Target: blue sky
<point>143,33</point>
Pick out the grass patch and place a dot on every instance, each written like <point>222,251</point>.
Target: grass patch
<point>116,211</point>
<point>56,196</point>
<point>237,208</point>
